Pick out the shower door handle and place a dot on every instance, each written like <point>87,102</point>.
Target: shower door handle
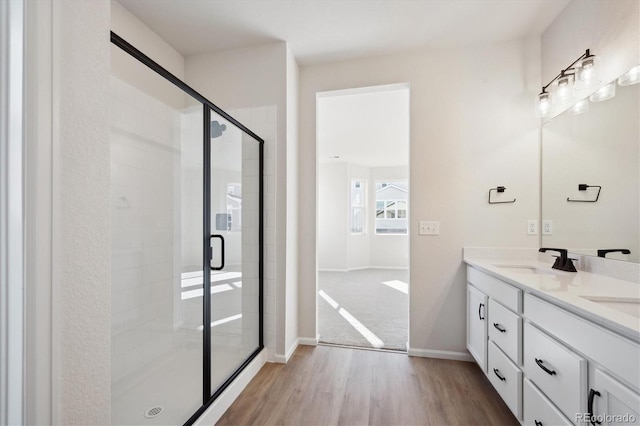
<point>217,268</point>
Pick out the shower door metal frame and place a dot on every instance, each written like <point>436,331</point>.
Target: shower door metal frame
<point>207,397</point>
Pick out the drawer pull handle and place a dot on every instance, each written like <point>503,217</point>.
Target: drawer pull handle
<point>592,393</point>
<point>537,423</point>
<point>546,370</point>
<point>480,306</point>
<point>497,373</point>
<point>500,328</point>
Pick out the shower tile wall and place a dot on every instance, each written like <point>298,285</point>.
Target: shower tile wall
<point>262,121</point>
<point>143,221</point>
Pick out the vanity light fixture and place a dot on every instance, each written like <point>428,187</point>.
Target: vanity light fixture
<point>583,73</point>
<point>579,108</point>
<point>630,77</point>
<point>604,93</point>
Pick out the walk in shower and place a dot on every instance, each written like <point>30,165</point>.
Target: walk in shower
<point>186,228</point>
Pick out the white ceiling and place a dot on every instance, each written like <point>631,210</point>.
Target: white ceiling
<point>329,30</point>
<point>365,128</point>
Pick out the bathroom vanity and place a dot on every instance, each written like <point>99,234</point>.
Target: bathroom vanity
<point>557,346</point>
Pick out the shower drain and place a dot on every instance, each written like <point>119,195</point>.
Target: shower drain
<point>154,412</point>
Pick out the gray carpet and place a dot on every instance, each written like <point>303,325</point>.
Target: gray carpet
<point>348,299</point>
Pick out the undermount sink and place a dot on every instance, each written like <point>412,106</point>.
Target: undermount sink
<point>524,269</point>
<point>626,305</point>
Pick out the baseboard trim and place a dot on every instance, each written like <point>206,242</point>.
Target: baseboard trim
<point>308,341</point>
<point>224,401</point>
<point>283,359</point>
<point>362,268</point>
<point>430,353</point>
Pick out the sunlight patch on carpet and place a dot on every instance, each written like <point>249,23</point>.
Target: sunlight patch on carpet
<point>397,285</point>
<point>360,328</point>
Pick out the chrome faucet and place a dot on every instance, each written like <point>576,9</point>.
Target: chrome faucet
<point>563,262</point>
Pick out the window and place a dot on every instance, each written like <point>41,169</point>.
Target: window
<point>358,203</point>
<point>391,207</point>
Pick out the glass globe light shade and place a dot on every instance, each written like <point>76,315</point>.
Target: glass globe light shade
<point>630,77</point>
<point>604,93</point>
<point>564,88</point>
<point>588,72</point>
<point>543,105</point>
<point>579,108</point>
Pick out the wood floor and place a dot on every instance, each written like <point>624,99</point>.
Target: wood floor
<point>339,386</point>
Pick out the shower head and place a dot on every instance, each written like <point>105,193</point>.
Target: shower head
<point>217,129</point>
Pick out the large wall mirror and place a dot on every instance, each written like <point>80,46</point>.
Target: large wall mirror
<point>591,177</point>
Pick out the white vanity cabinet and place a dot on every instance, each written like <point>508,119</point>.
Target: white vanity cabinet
<point>494,334</point>
<point>551,366</point>
<point>611,402</point>
<point>477,325</point>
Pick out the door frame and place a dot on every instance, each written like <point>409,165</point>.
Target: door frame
<point>352,91</point>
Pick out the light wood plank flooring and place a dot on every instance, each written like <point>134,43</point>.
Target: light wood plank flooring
<point>329,386</point>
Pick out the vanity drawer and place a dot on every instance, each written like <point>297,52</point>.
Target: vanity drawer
<point>505,330</point>
<point>538,410</point>
<point>508,295</point>
<point>557,371</point>
<point>506,378</point>
<point>614,352</point>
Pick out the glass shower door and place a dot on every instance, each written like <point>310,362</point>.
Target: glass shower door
<point>235,248</point>
<point>156,248</point>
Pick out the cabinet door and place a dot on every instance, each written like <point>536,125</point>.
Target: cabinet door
<point>611,402</point>
<point>477,325</point>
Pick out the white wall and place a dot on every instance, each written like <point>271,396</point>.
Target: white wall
<point>333,218</point>
<point>82,251</point>
<point>291,290</point>
<point>472,128</point>
<point>134,31</point>
<point>249,78</point>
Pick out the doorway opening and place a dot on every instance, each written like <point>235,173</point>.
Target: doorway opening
<point>363,217</point>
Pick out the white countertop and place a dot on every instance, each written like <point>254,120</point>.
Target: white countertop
<point>571,291</point>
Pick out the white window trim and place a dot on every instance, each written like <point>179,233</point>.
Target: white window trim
<point>12,223</point>
<point>362,207</point>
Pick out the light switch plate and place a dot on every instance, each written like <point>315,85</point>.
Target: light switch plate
<point>429,228</point>
<point>547,227</point>
<point>532,227</point>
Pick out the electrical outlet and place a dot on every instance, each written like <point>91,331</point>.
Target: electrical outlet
<point>429,228</point>
<point>532,227</point>
<point>547,227</point>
